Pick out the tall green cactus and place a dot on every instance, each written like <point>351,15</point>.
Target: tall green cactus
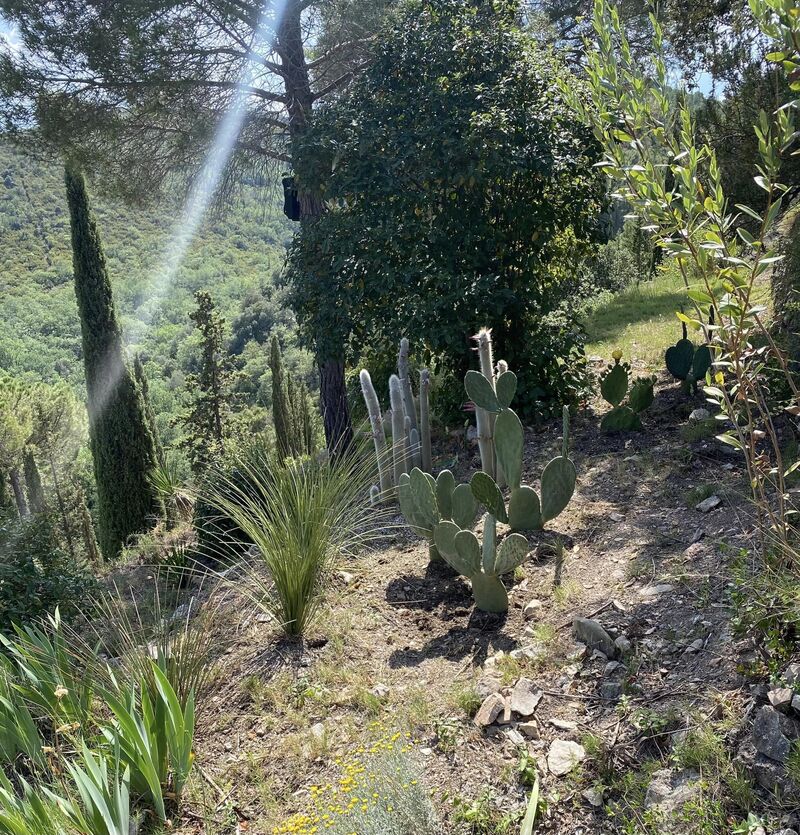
<point>411,437</point>
<point>443,513</point>
<point>624,416</point>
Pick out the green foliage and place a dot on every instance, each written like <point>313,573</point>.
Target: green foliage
<point>36,574</point>
<point>291,410</point>
<point>488,168</point>
<point>153,733</point>
<point>116,411</point>
<point>205,422</point>
<point>614,387</point>
<point>301,517</point>
<point>26,812</point>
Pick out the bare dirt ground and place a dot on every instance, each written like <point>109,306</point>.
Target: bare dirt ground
<point>400,642</point>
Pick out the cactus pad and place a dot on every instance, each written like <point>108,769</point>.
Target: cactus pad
<point>621,419</point>
<point>558,485</point>
<point>702,362</point>
<point>508,442</point>
<point>512,553</point>
<point>445,487</point>
<point>505,388</point>
<point>524,513</point>
<point>464,506</point>
<point>488,494</point>
<point>679,359</point>
<point>614,384</point>
<point>641,394</point>
<point>469,552</point>
<point>480,392</point>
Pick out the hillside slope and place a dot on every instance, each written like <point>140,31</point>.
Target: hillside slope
<point>235,257</point>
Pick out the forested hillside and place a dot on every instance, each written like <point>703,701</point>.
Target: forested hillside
<point>236,257</point>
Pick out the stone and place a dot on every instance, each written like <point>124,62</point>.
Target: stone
<point>786,832</point>
<point>623,645</point>
<point>380,691</point>
<point>318,731</point>
<point>695,646</point>
<point>699,415</point>
<point>529,729</point>
<point>514,737</point>
<point>698,534</point>
<point>486,685</point>
<point>772,776</point>
<point>656,590</point>
<point>708,504</point>
<point>563,724</point>
<point>668,793</point>
<point>774,733</point>
<point>593,796</point>
<point>612,667</point>
<point>577,653</point>
<point>791,675</point>
<point>531,609</point>
<point>488,712</point>
<point>610,691</point>
<point>563,756</point>
<point>592,633</point>
<point>781,698</point>
<point>796,704</point>
<point>616,517</point>
<point>347,578</point>
<point>525,697</point>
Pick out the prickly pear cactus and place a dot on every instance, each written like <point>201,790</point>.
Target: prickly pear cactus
<point>482,565</point>
<point>688,363</point>
<point>624,416</point>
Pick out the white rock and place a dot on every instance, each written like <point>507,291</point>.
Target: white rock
<point>708,504</point>
<point>593,796</point>
<point>532,608</point>
<point>563,756</point>
<point>525,697</point>
<point>700,414</point>
<point>488,712</point>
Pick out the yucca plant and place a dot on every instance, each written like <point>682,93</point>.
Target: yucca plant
<point>28,812</point>
<point>154,737</point>
<point>167,483</point>
<point>301,518</point>
<point>103,795</point>
<point>50,676</point>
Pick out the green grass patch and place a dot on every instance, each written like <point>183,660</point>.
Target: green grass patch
<point>639,319</point>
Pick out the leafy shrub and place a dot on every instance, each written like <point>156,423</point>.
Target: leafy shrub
<point>380,792</point>
<point>36,575</point>
<point>301,517</point>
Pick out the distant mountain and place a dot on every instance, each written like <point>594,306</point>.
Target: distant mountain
<point>235,256</point>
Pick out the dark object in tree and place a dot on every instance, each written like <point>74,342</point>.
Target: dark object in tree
<point>122,446</point>
<point>33,484</point>
<point>204,422</point>
<point>291,204</point>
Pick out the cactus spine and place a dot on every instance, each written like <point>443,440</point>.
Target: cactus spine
<point>425,420</point>
<point>378,433</point>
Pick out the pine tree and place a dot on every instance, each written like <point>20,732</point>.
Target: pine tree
<point>205,421</point>
<point>122,444</point>
<point>33,484</point>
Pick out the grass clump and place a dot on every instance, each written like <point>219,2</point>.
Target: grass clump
<point>379,792</point>
<point>301,517</point>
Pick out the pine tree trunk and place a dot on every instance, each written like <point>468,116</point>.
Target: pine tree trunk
<point>332,388</point>
<point>19,495</point>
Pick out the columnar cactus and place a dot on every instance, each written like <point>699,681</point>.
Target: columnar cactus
<point>439,511</point>
<point>614,386</point>
<point>483,419</point>
<point>378,433</point>
<point>688,363</point>
<point>425,420</point>
<point>411,437</point>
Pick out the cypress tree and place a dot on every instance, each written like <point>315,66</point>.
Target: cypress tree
<point>205,421</point>
<point>122,445</point>
<point>281,408</point>
<point>33,484</point>
<point>144,389</point>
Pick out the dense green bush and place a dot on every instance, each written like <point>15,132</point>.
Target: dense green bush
<point>36,574</point>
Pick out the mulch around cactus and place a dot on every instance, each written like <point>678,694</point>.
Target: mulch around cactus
<point>399,643</point>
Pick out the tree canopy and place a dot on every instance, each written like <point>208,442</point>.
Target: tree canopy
<point>449,168</point>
